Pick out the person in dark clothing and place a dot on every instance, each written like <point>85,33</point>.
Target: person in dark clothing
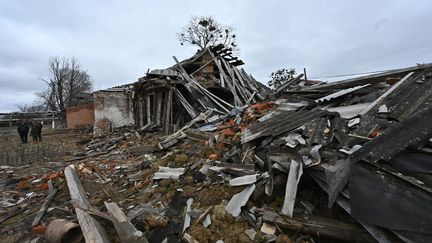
<point>39,132</point>
<point>23,131</point>
<point>33,131</point>
<point>36,131</point>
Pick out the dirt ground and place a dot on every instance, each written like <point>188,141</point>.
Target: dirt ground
<point>124,175</point>
<point>9,138</point>
<point>118,189</point>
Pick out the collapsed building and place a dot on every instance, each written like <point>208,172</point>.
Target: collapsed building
<point>365,141</point>
<point>169,98</point>
<point>208,80</point>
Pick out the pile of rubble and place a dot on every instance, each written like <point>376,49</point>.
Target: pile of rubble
<point>348,161</point>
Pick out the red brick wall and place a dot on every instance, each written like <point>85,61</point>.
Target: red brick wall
<point>81,115</point>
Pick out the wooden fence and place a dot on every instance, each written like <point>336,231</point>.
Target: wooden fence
<point>30,153</point>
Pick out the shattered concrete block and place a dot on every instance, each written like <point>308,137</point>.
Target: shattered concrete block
<point>268,229</point>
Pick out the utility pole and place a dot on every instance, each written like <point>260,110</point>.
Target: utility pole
<point>53,121</point>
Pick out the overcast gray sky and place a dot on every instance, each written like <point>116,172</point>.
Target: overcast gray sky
<point>117,41</point>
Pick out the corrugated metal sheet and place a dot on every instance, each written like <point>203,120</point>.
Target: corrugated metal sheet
<point>280,123</point>
<point>411,132</point>
<point>340,93</point>
<point>164,72</point>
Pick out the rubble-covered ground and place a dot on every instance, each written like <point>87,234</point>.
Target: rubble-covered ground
<point>121,166</point>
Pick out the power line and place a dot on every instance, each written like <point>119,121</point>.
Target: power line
<point>394,53</point>
<point>352,74</point>
<point>360,73</point>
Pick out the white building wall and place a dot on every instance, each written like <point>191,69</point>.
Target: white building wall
<point>112,109</point>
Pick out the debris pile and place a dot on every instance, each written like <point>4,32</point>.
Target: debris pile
<point>210,79</point>
<point>348,161</point>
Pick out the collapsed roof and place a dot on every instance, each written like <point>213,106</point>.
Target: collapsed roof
<point>366,141</point>
<point>210,79</point>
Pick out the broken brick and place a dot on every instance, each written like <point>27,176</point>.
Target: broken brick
<point>38,229</point>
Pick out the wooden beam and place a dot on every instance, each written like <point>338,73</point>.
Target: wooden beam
<point>237,63</point>
<point>158,108</point>
<point>218,47</point>
<point>90,227</point>
<point>236,85</point>
<point>319,226</point>
<point>250,79</point>
<point>204,91</point>
<point>148,109</point>
<point>188,107</point>
<point>46,203</point>
<point>140,111</point>
<point>287,84</point>
<point>168,111</point>
<point>200,68</point>
<point>237,100</point>
<point>224,53</point>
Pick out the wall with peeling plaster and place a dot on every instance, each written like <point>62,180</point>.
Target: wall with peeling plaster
<point>112,109</point>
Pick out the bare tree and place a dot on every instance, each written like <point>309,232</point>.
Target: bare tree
<point>205,31</point>
<point>281,76</point>
<point>31,108</point>
<point>65,82</point>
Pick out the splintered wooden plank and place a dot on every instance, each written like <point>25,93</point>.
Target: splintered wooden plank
<point>203,66</point>
<point>46,203</point>
<point>234,81</point>
<point>206,94</point>
<point>226,79</point>
<point>245,86</point>
<point>250,89</point>
<point>314,225</point>
<point>168,110</point>
<point>141,111</point>
<point>148,109</point>
<point>287,84</point>
<point>90,227</point>
<point>249,79</point>
<point>239,77</point>
<point>158,108</point>
<point>230,83</point>
<point>188,107</point>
